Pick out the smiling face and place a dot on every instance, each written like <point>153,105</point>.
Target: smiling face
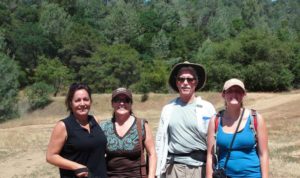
<point>122,105</point>
<point>81,103</point>
<point>234,96</point>
<point>186,83</point>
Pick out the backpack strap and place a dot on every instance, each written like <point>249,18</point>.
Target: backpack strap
<point>253,123</point>
<point>218,117</point>
<point>139,124</point>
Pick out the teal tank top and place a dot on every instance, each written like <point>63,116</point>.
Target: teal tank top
<point>244,160</point>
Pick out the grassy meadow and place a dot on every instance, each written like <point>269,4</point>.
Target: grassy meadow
<point>23,141</point>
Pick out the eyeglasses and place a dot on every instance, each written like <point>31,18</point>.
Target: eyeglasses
<point>121,100</point>
<point>183,79</point>
<point>237,91</point>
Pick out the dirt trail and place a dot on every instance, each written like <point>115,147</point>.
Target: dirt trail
<point>23,163</point>
<point>22,151</point>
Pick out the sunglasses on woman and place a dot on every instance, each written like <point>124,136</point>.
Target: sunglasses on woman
<point>121,100</point>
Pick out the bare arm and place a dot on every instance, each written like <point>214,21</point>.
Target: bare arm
<point>150,148</point>
<point>56,143</point>
<point>210,147</point>
<point>262,139</point>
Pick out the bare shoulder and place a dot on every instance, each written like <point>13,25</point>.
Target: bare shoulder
<point>60,127</point>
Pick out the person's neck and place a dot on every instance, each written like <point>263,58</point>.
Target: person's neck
<point>82,120</point>
<point>233,113</point>
<point>121,119</point>
<point>188,98</point>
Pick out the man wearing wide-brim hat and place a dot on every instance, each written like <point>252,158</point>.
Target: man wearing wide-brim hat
<point>181,135</point>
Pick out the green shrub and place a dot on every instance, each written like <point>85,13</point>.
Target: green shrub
<point>38,95</point>
<point>8,87</point>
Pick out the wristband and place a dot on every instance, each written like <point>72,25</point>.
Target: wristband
<point>80,170</point>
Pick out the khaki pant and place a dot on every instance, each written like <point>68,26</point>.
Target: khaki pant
<point>184,171</point>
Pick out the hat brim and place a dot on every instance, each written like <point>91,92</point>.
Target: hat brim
<point>197,67</point>
<point>122,93</point>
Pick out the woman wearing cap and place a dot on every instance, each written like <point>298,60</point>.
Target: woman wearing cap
<point>77,143</point>
<point>234,128</point>
<point>124,134</point>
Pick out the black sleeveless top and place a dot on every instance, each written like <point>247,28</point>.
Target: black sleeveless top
<point>85,148</point>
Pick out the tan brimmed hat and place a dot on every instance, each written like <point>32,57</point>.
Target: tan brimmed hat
<point>121,90</point>
<point>197,67</point>
<point>233,82</point>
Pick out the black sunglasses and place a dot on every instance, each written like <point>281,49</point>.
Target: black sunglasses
<point>182,79</point>
<point>121,100</point>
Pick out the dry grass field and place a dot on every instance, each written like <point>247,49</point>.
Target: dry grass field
<point>23,141</point>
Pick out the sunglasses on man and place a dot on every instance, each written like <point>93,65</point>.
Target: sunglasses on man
<point>183,79</point>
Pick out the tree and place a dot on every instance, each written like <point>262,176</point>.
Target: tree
<point>121,24</point>
<point>53,20</point>
<point>26,43</point>
<point>160,45</point>
<point>112,67</point>
<point>78,44</point>
<point>5,18</point>
<point>54,73</point>
<point>185,42</point>
<point>9,84</point>
<point>251,54</point>
<point>153,78</point>
<point>38,95</point>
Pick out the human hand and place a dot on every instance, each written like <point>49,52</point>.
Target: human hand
<point>82,172</point>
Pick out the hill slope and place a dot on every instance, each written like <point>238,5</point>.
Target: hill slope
<point>23,141</point>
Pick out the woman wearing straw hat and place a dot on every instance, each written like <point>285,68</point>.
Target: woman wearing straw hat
<point>181,135</point>
<point>240,135</point>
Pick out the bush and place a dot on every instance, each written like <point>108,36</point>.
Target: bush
<point>8,87</point>
<point>38,95</point>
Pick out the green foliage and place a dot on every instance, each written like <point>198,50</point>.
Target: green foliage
<point>92,12</point>
<point>27,42</point>
<point>79,43</point>
<point>5,16</point>
<point>262,76</point>
<point>134,43</point>
<point>27,13</point>
<point>8,87</point>
<point>160,45</point>
<point>38,95</point>
<point>122,23</point>
<point>54,73</point>
<point>54,20</point>
<point>153,78</point>
<point>111,67</point>
<point>257,57</point>
<point>295,64</point>
<point>185,42</point>
<point>2,41</point>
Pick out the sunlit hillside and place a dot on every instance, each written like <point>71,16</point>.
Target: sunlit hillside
<point>23,141</point>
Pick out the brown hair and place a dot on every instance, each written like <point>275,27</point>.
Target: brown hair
<point>72,89</point>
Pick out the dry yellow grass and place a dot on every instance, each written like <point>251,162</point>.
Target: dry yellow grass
<point>23,141</point>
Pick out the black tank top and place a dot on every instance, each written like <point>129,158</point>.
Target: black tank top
<point>85,148</point>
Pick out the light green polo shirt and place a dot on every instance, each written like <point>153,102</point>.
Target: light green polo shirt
<point>184,134</point>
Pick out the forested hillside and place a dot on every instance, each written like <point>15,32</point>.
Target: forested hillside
<point>47,44</point>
